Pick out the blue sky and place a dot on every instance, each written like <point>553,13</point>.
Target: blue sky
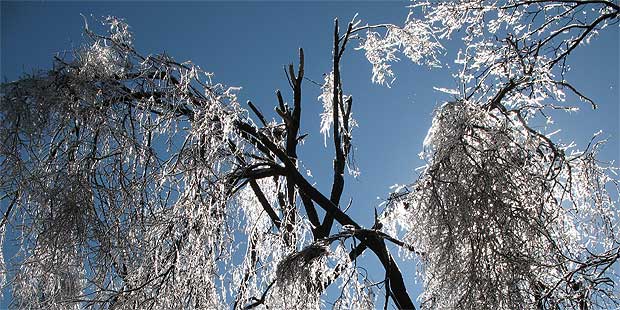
<point>247,44</point>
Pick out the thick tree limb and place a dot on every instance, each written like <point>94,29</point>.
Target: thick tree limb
<point>337,106</point>
<point>399,290</point>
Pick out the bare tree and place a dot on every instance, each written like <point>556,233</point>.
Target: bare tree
<point>130,178</point>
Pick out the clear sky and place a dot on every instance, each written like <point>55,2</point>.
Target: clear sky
<point>246,44</point>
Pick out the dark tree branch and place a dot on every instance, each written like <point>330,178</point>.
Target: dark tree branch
<point>337,106</point>
<point>259,301</point>
<point>258,113</point>
<point>266,205</point>
<point>7,213</point>
<point>589,28</point>
<point>399,290</point>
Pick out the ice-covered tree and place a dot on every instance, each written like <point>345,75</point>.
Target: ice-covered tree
<point>131,179</point>
<point>505,217</point>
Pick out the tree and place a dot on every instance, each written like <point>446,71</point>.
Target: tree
<point>131,178</point>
